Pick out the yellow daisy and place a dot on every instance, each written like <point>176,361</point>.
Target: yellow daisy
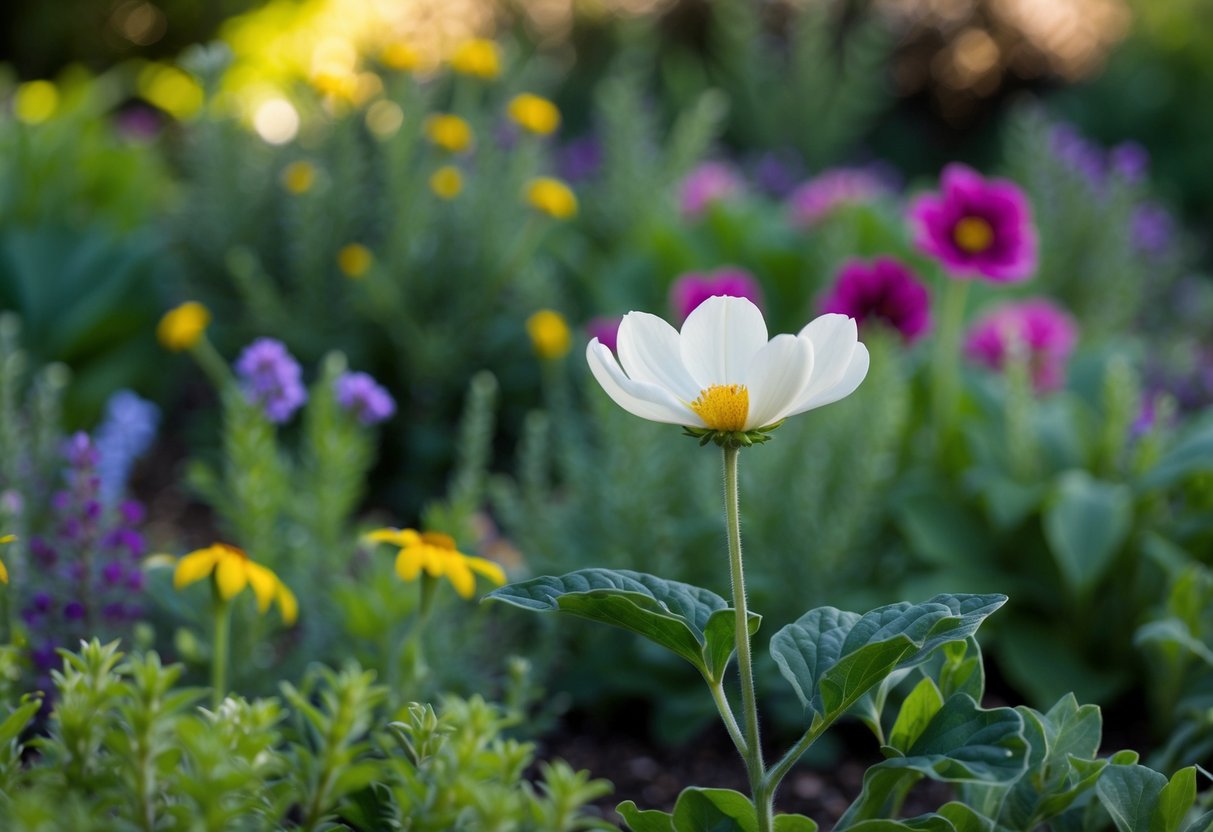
<point>436,554</point>
<point>233,571</point>
<point>8,538</point>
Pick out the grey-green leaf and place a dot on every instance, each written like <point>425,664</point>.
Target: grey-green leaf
<point>1085,524</point>
<point>714,810</point>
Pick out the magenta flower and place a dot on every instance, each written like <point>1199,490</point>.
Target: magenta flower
<point>605,329</point>
<point>710,182</point>
<point>884,290</point>
<point>271,378</point>
<point>1045,331</point>
<point>825,193</point>
<point>365,398</point>
<point>691,289</point>
<point>977,227</point>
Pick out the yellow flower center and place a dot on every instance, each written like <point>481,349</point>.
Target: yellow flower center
<point>439,540</point>
<point>723,406</point>
<point>973,234</point>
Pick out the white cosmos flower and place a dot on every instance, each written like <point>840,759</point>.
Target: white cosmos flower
<point>722,373</point>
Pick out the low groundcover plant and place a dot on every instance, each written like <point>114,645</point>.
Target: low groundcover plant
<point>723,381</point>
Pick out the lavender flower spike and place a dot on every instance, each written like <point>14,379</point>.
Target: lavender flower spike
<point>364,397</point>
<point>272,379</point>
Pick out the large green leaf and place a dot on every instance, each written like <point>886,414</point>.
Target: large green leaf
<point>692,622</point>
<point>962,743</point>
<point>832,657</point>
<point>1085,524</point>
<point>1192,453</point>
<point>714,810</point>
<point>1140,799</point>
<point>951,817</point>
<point>648,820</point>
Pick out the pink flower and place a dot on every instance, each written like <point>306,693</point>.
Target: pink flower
<point>824,194</point>
<point>708,183</point>
<point>977,227</point>
<point>883,290</point>
<point>1045,331</point>
<point>605,329</point>
<point>691,289</point>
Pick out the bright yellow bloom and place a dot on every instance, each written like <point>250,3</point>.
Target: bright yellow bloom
<point>298,177</point>
<point>552,197</point>
<point>182,328</point>
<point>400,56</point>
<point>8,538</point>
<point>449,132</point>
<point>478,57</point>
<point>35,101</point>
<point>355,260</point>
<point>530,112</point>
<point>446,182</point>
<point>436,554</point>
<point>550,335</point>
<point>172,90</point>
<point>233,571</point>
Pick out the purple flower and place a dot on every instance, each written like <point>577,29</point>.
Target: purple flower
<point>709,183</point>
<point>776,173</point>
<point>580,159</point>
<point>824,194</point>
<point>271,378</point>
<point>362,396</point>
<point>73,610</point>
<point>1130,161</point>
<point>1151,228</point>
<point>126,434</point>
<point>977,227</point>
<point>1078,154</point>
<point>605,329</point>
<point>691,289</point>
<point>1046,332</point>
<point>883,290</point>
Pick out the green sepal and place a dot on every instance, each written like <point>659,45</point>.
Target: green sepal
<point>731,438</point>
<point>691,622</point>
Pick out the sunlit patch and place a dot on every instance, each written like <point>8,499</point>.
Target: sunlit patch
<point>276,121</point>
<point>723,407</point>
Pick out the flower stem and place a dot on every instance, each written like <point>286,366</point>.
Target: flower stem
<point>412,649</point>
<point>947,361</point>
<point>749,705</point>
<point>219,650</point>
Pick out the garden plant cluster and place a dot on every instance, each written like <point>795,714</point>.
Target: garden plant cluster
<point>308,394</point>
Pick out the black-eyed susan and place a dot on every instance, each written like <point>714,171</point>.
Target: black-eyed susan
<point>233,571</point>
<point>435,553</point>
<point>8,538</point>
<point>534,113</point>
<point>446,182</point>
<point>479,57</point>
<point>550,335</point>
<point>182,328</point>
<point>449,132</point>
<point>355,260</point>
<point>552,197</point>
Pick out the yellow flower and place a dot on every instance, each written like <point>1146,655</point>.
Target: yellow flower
<point>401,56</point>
<point>446,182</point>
<point>182,328</point>
<point>449,132</point>
<point>549,333</point>
<point>530,112</point>
<point>552,197</point>
<point>233,571</point>
<point>355,260</point>
<point>35,101</point>
<point>478,57</point>
<point>8,538</point>
<point>436,554</point>
<point>298,177</point>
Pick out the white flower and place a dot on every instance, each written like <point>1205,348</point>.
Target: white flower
<point>722,373</point>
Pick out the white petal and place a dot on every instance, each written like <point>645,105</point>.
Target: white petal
<point>855,373</point>
<point>834,339</point>
<point>719,340</point>
<point>777,375</point>
<point>648,401</point>
<point>648,351</point>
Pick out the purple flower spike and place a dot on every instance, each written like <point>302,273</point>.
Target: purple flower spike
<point>1044,330</point>
<point>271,378</point>
<point>362,396</point>
<point>605,329</point>
<point>709,183</point>
<point>821,196</point>
<point>1130,161</point>
<point>883,290</point>
<point>692,288</point>
<point>977,227</point>
<point>73,610</point>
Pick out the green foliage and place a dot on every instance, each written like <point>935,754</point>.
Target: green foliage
<point>128,750</point>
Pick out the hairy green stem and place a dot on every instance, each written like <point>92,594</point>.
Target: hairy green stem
<point>749,705</point>
<point>219,649</point>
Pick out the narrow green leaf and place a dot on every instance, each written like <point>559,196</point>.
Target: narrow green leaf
<point>714,810</point>
<point>917,711</point>
<point>1085,525</point>
<point>648,820</point>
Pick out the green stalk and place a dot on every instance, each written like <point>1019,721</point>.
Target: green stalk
<point>413,645</point>
<point>946,378</point>
<point>755,767</point>
<point>219,649</point>
<point>212,363</point>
